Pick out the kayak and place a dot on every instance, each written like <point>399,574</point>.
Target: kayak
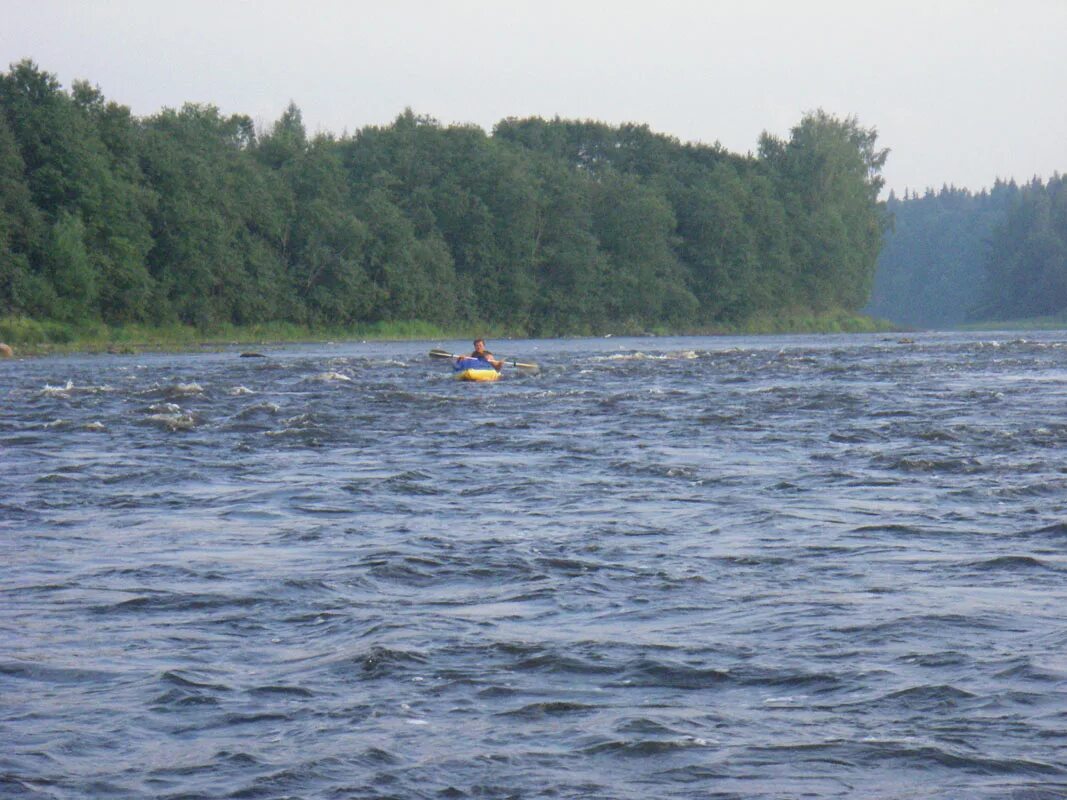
<point>474,369</point>
<point>471,368</point>
<point>477,375</point>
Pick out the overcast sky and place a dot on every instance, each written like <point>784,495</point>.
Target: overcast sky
<point>961,91</point>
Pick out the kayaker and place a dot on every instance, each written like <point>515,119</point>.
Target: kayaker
<point>483,354</point>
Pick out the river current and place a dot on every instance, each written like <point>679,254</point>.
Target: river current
<point>774,567</point>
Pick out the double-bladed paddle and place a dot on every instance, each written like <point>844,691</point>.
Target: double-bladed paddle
<point>520,364</point>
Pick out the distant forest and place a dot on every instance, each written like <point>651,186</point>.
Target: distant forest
<point>542,227</point>
<point>954,256</point>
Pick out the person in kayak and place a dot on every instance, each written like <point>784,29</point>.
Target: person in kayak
<point>481,353</point>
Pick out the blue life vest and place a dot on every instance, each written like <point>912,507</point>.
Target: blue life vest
<point>469,362</point>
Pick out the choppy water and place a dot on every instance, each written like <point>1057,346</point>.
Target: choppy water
<point>664,568</point>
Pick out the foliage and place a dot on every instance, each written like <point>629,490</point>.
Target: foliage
<point>193,218</point>
<point>931,271</point>
<point>954,257</point>
<point>1027,266</point>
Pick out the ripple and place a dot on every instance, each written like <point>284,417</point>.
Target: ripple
<point>49,674</point>
<point>731,566</point>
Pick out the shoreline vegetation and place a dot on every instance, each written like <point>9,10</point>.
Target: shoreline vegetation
<point>189,228</point>
<point>976,261</point>
<point>1052,322</point>
<point>121,231</point>
<point>29,337</point>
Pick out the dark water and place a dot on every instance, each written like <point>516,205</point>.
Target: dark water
<point>664,568</point>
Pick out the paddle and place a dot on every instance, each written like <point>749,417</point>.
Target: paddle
<point>520,364</point>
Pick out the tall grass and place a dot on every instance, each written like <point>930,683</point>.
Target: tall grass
<point>43,336</point>
<point>802,321</point>
<point>1053,322</point>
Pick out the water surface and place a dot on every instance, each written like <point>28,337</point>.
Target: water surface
<point>676,568</point>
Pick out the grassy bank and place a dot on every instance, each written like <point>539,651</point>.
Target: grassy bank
<point>1054,322</point>
<point>41,337</point>
<point>807,322</point>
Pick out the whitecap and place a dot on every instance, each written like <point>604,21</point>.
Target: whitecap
<point>94,426</point>
<point>785,700</point>
<point>641,356</point>
<point>174,422</point>
<point>270,408</point>
<point>326,377</point>
<point>69,389</point>
<point>237,391</point>
<point>58,391</point>
<point>257,409</point>
<point>284,432</point>
<point>700,741</point>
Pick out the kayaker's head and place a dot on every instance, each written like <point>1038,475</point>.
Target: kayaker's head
<point>479,345</point>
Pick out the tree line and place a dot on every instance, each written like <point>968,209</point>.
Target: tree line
<point>956,256</point>
<point>542,227</point>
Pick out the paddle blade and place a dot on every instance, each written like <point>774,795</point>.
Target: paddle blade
<point>441,354</point>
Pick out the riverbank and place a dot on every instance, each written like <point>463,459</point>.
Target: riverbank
<point>30,337</point>
<point>1053,322</point>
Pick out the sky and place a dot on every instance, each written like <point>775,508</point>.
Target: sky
<point>962,92</point>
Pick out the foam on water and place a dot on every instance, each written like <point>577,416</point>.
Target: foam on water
<point>672,568</point>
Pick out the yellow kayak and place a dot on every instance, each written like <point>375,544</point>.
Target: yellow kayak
<point>477,374</point>
<point>469,368</point>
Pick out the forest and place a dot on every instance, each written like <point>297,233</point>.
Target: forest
<point>541,227</point>
<point>955,257</point>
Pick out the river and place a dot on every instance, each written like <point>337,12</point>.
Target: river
<point>731,567</point>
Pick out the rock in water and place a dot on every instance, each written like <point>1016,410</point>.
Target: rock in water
<point>6,351</point>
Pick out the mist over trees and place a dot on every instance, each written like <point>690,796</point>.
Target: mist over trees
<point>1028,255</point>
<point>543,227</point>
<point>954,256</point>
<point>932,269</point>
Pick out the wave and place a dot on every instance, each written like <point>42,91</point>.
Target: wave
<point>652,672</point>
<point>927,697</point>
<point>173,422</point>
<point>179,390</point>
<point>550,708</point>
<point>331,377</point>
<point>912,754</point>
<point>281,691</point>
<point>258,409</point>
<point>176,678</point>
<point>167,602</point>
<point>1010,563</point>
<point>47,673</point>
<point>646,748</point>
<point>69,390</point>
<point>382,662</point>
<point>1056,529</point>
